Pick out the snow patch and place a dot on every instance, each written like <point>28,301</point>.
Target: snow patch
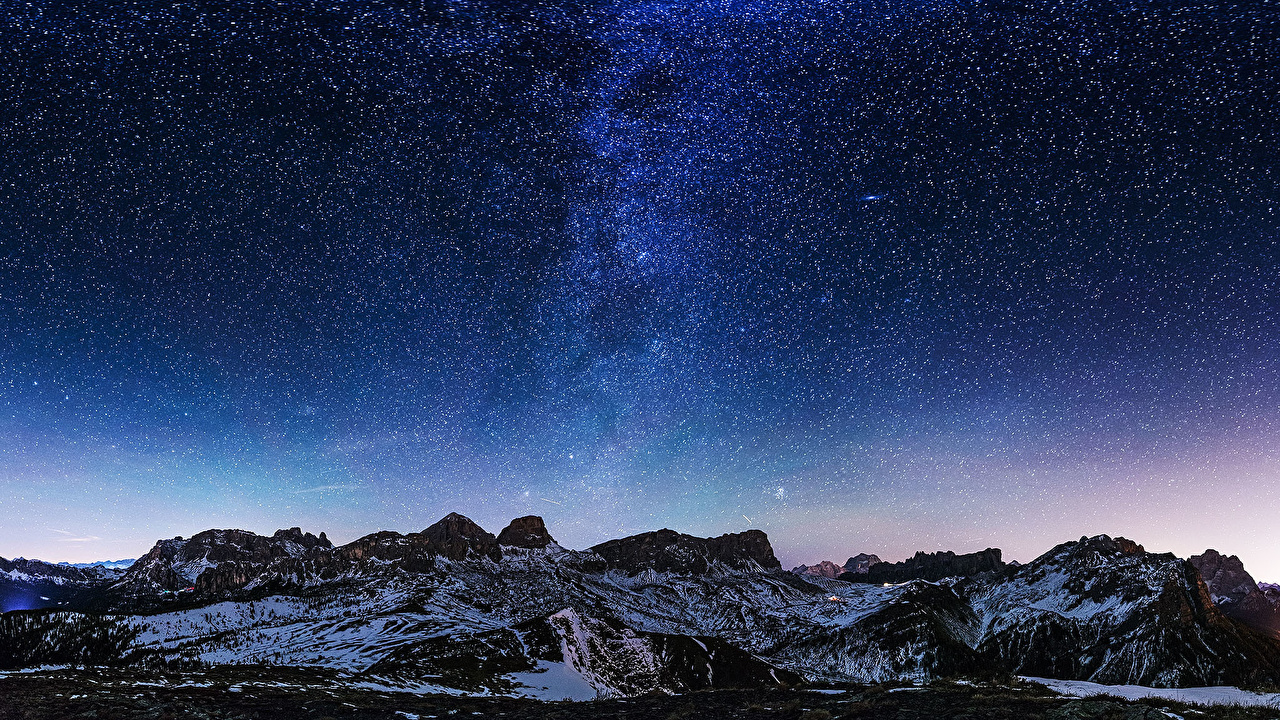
<point>553,681</point>
<point>1216,695</point>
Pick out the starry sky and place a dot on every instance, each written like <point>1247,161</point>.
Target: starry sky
<point>873,276</point>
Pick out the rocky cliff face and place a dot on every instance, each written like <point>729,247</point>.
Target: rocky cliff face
<point>528,532</point>
<point>670,551</point>
<point>1235,593</point>
<point>826,569</point>
<point>1105,610</point>
<point>860,563</point>
<point>457,537</point>
<point>929,566</point>
<point>179,563</point>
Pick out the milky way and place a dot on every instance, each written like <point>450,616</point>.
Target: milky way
<point>869,276</point>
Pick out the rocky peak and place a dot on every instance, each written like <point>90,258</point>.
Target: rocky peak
<point>24,570</point>
<point>826,569</point>
<point>1225,575</point>
<point>179,563</point>
<point>526,532</point>
<point>306,540</point>
<point>669,551</point>
<point>1234,591</point>
<point>744,548</point>
<point>457,536</point>
<point>860,563</point>
<point>1107,545</point>
<point>930,566</point>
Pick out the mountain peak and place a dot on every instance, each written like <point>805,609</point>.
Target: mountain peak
<point>861,563</point>
<point>668,550</point>
<point>306,540</point>
<point>1110,545</point>
<point>826,569</point>
<point>456,536</point>
<point>1235,592</point>
<point>526,532</point>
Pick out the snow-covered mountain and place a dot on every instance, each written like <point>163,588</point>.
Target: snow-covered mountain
<point>29,584</point>
<point>1105,610</point>
<point>107,564</point>
<point>455,608</point>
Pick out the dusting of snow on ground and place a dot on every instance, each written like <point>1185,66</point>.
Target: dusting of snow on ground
<point>1219,695</point>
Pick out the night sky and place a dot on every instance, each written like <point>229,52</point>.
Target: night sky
<point>870,276</point>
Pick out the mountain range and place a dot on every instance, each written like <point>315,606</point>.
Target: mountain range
<point>454,608</point>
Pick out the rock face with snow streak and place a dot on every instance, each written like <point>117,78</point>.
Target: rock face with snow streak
<point>1235,593</point>
<point>1105,610</point>
<point>603,656</point>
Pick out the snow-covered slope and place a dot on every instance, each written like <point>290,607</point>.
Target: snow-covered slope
<point>1107,611</point>
<point>450,608</point>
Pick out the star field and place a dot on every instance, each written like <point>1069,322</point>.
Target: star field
<point>873,277</point>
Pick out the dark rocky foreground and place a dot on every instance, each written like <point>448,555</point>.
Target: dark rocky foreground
<point>282,694</point>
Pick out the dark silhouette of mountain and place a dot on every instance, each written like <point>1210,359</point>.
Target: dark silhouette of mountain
<point>928,566</point>
<point>668,550</point>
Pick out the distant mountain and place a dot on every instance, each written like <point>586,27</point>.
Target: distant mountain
<point>826,569</point>
<point>29,584</point>
<point>108,564</point>
<point>926,566</point>
<point>670,551</point>
<point>860,563</point>
<point>1235,592</point>
<point>456,608</point>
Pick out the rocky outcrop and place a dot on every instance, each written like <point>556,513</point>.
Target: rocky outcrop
<point>669,551</point>
<point>747,549</point>
<point>528,532</point>
<point>929,566</point>
<point>860,563</point>
<point>217,561</point>
<point>457,537</point>
<point>1105,610</point>
<point>1236,593</point>
<point>826,569</point>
